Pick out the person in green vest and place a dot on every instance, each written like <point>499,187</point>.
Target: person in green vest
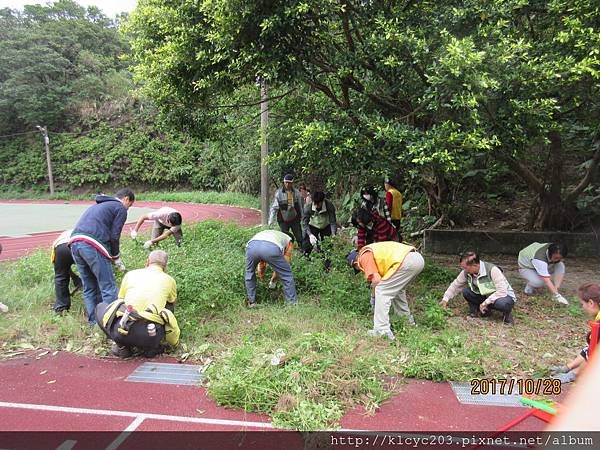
<point>274,248</point>
<point>393,199</point>
<point>483,286</point>
<point>542,264</point>
<point>319,221</point>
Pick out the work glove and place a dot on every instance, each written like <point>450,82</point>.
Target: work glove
<point>133,234</point>
<point>559,369</point>
<point>147,244</point>
<point>354,240</point>
<point>313,240</point>
<point>272,285</point>
<point>566,377</point>
<point>560,299</point>
<point>119,264</point>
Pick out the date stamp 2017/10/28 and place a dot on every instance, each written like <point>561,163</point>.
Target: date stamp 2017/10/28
<point>520,386</point>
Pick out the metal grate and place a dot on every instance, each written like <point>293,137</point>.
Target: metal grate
<point>150,372</point>
<point>464,396</point>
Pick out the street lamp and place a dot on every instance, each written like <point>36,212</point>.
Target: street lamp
<point>44,132</point>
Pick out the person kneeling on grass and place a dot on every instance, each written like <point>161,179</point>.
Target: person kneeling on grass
<point>589,296</point>
<point>167,222</point>
<point>389,267</point>
<point>274,248</point>
<point>142,316</point>
<point>483,286</point>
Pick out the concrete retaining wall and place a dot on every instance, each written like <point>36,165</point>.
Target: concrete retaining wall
<point>582,245</point>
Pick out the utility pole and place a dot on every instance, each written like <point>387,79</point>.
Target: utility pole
<point>264,153</point>
<point>44,131</point>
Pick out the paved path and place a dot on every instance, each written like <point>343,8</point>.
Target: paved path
<point>15,247</point>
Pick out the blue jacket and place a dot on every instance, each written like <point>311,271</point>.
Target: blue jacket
<point>103,223</point>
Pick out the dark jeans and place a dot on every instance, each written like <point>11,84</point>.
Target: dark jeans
<point>319,233</point>
<point>63,274</point>
<point>504,304</point>
<point>96,272</point>
<point>396,224</point>
<point>138,333</point>
<point>296,230</point>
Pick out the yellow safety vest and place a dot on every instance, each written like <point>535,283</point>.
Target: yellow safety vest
<point>396,211</point>
<point>388,256</point>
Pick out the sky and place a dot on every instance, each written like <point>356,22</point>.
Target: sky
<point>108,7</point>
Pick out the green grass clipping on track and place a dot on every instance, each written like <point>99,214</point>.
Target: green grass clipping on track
<point>305,366</point>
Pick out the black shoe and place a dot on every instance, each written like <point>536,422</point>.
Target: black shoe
<point>151,353</point>
<point>508,318</point>
<point>120,350</point>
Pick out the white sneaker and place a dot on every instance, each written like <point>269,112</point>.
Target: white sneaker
<point>379,333</point>
<point>529,290</point>
<point>3,308</point>
<point>272,285</point>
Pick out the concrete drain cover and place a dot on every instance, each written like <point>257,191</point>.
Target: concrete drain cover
<point>164,373</point>
<point>464,396</point>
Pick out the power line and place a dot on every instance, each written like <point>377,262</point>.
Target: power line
<point>18,134</point>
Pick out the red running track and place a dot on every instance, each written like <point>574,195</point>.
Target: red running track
<point>14,248</point>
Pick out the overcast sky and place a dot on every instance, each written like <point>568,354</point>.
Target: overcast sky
<point>108,7</point>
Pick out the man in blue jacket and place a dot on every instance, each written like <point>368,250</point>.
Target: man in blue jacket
<point>95,247</point>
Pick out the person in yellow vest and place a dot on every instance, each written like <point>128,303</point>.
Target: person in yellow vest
<point>589,297</point>
<point>143,315</point>
<point>393,199</point>
<point>484,287</point>
<point>62,260</point>
<point>389,267</point>
<point>274,248</point>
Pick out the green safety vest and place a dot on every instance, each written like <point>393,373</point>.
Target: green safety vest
<point>485,284</point>
<point>533,251</point>
<point>319,219</point>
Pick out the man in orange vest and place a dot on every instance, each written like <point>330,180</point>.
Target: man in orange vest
<point>389,267</point>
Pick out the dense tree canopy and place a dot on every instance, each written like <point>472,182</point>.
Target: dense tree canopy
<point>419,88</point>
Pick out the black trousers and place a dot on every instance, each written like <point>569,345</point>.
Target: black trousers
<point>138,333</point>
<point>396,224</point>
<point>319,233</point>
<point>295,227</point>
<point>63,274</point>
<point>504,304</point>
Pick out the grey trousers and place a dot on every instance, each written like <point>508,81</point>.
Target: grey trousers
<point>270,253</point>
<point>391,292</point>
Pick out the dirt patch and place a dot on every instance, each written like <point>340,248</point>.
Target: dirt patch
<point>545,333</point>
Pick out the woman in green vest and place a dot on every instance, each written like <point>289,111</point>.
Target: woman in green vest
<point>542,264</point>
<point>483,286</point>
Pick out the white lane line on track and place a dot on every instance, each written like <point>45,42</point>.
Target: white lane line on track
<point>114,445</point>
<point>105,412</point>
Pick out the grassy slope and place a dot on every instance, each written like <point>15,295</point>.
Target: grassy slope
<point>329,363</point>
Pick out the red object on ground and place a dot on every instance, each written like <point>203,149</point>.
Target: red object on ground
<point>14,248</point>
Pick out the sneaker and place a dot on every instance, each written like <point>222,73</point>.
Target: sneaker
<point>507,318</point>
<point>529,290</point>
<point>120,350</point>
<point>251,304</point>
<point>410,319</point>
<point>272,285</point>
<point>3,308</point>
<point>379,333</point>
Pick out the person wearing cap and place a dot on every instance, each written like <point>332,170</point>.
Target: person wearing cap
<point>288,206</point>
<point>542,264</point>
<point>167,222</point>
<point>393,199</point>
<point>143,315</point>
<point>319,221</point>
<point>484,287</point>
<point>275,249</point>
<point>62,260</point>
<point>389,267</point>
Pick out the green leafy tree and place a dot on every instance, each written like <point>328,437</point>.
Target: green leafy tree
<point>415,88</point>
